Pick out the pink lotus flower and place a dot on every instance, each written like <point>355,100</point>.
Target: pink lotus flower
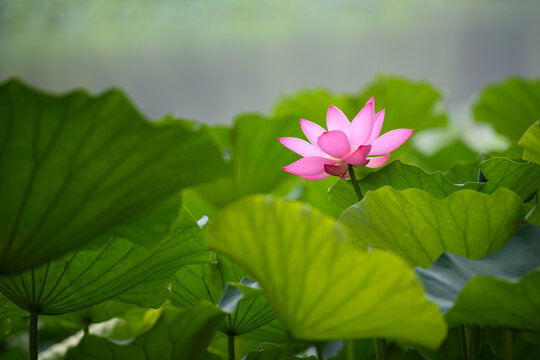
<point>356,143</point>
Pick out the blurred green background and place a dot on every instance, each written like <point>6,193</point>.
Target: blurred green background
<point>211,59</point>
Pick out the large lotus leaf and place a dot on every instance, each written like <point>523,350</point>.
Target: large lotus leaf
<point>420,227</point>
<point>501,289</point>
<point>73,167</point>
<point>210,282</point>
<point>399,176</point>
<point>522,178</point>
<point>321,287</point>
<point>511,106</point>
<point>119,269</point>
<point>182,335</point>
<point>257,157</point>
<point>531,143</point>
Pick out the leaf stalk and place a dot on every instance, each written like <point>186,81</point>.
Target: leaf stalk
<point>355,183</point>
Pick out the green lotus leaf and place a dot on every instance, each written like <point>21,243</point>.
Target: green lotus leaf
<point>119,269</point>
<point>177,334</point>
<point>511,106</point>
<point>501,289</point>
<point>420,227</point>
<point>219,282</point>
<point>73,167</point>
<point>530,141</point>
<point>523,179</point>
<point>321,287</point>
<point>399,176</point>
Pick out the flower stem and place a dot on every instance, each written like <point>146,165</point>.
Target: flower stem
<point>508,344</point>
<point>465,347</point>
<point>33,343</point>
<point>319,347</point>
<point>355,183</point>
<point>231,346</point>
<point>380,349</point>
<point>350,349</point>
<point>289,349</point>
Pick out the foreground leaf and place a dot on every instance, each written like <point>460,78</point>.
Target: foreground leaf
<point>321,287</point>
<point>73,167</point>
<point>511,106</point>
<point>531,143</point>
<point>419,227</point>
<point>501,289</point>
<point>119,269</point>
<point>176,335</point>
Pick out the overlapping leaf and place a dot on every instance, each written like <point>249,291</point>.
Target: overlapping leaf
<point>320,286</point>
<point>511,106</point>
<point>420,227</point>
<point>182,335</point>
<point>501,289</point>
<point>214,282</point>
<point>399,176</point>
<point>118,269</point>
<point>522,178</point>
<point>74,167</point>
<point>531,143</point>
